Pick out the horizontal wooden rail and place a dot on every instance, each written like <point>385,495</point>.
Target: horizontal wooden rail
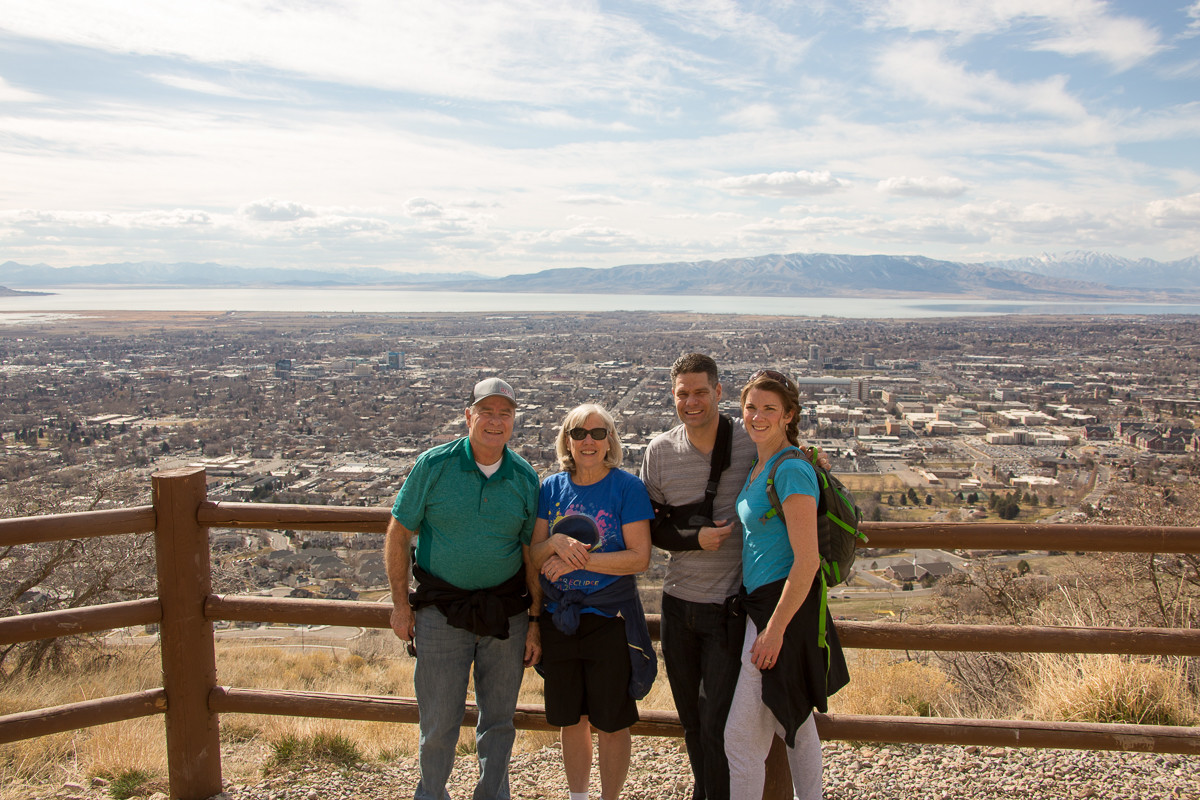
<point>307,611</point>
<point>226,700</point>
<point>867,635</point>
<point>81,525</point>
<point>70,621</point>
<point>1011,733</point>
<point>69,717</point>
<point>1015,536</point>
<point>924,730</point>
<point>279,516</point>
<point>239,608</point>
<point>1019,639</point>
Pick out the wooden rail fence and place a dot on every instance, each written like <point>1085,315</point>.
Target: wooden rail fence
<point>191,701</point>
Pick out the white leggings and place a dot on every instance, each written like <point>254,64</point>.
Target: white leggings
<point>749,730</point>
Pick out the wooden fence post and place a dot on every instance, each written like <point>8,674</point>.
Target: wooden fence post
<point>189,661</point>
<point>778,785</point>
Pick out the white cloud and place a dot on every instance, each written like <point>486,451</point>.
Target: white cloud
<point>272,210</point>
<point>1070,27</point>
<point>423,207</point>
<point>594,200</point>
<point>922,187</point>
<point>1178,212</point>
<point>921,69</point>
<point>782,184</point>
<point>490,50</point>
<point>1193,13</point>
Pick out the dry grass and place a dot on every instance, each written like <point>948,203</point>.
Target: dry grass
<point>107,748</point>
<point>883,684</point>
<point>1077,687</point>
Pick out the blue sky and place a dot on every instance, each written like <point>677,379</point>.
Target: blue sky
<point>515,136</point>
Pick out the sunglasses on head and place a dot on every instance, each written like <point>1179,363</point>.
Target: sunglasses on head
<point>772,374</point>
<point>597,434</point>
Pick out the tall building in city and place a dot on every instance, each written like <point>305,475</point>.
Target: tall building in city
<point>396,360</point>
<point>814,356</point>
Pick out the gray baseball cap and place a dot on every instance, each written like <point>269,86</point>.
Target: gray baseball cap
<point>490,387</point>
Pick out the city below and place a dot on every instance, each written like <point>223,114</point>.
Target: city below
<point>1025,418</point>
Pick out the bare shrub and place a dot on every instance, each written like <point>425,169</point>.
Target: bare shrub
<point>72,573</point>
<point>987,683</point>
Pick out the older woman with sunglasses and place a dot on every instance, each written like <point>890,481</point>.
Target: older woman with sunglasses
<point>591,536</point>
<point>787,670</point>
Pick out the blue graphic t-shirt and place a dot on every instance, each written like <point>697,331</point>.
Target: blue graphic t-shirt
<point>616,500</point>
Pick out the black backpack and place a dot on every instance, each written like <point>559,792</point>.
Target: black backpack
<point>837,519</point>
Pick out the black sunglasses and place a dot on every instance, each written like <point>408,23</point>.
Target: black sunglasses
<point>779,377</point>
<point>597,434</point>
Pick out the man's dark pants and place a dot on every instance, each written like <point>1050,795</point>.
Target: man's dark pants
<point>702,668</point>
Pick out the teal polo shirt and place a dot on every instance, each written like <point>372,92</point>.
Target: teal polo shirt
<point>469,527</point>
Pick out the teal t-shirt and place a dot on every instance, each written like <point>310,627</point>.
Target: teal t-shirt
<point>766,551</point>
<point>469,527</point>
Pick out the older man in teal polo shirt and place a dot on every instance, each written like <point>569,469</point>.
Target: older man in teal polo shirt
<point>471,504</point>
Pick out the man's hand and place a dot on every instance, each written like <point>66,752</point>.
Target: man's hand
<point>711,538</point>
<point>533,644</point>
<point>403,623</point>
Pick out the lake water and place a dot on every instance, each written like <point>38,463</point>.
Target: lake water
<point>377,300</point>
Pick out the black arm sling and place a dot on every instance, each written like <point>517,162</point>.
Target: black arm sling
<point>677,527</point>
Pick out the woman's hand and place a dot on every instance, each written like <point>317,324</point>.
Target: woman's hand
<point>572,551</point>
<point>555,568</point>
<point>764,653</point>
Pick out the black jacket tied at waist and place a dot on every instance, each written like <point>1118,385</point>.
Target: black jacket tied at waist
<point>483,612</point>
<point>806,673</point>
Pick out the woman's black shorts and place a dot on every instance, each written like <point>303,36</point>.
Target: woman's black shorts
<point>588,674</point>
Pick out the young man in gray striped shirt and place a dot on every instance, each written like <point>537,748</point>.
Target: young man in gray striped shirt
<point>705,568</point>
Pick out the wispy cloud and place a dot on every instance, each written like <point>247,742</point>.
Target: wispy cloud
<point>271,210</point>
<point>922,186</point>
<point>506,135</point>
<point>921,69</point>
<point>1068,27</point>
<point>782,184</point>
<point>754,116</point>
<point>594,200</point>
<point>11,94</point>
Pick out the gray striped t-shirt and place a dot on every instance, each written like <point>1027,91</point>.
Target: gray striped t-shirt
<point>675,472</point>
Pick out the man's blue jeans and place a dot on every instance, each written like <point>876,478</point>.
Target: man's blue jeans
<point>445,655</point>
<point>703,671</point>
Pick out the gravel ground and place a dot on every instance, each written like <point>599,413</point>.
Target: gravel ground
<point>867,772</point>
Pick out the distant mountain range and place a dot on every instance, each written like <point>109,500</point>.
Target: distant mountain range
<point>1075,275</point>
<point>1142,273</point>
